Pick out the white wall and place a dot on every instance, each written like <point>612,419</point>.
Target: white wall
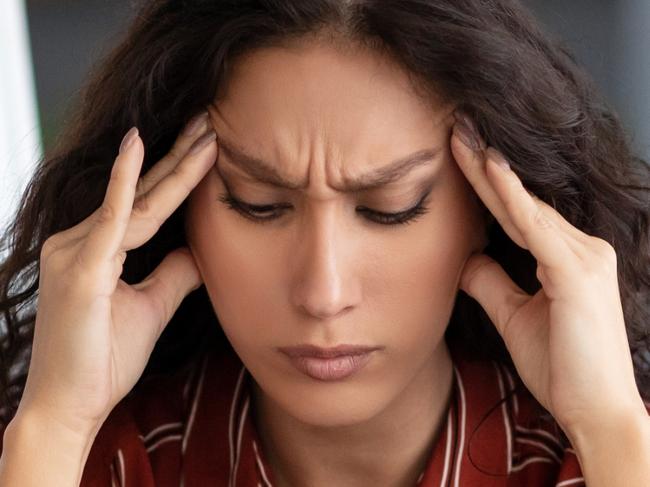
<point>20,140</point>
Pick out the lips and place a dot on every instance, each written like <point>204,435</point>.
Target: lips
<point>330,369</point>
<point>307,350</point>
<point>329,364</point>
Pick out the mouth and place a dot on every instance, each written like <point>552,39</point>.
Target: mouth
<point>308,350</point>
<point>329,364</point>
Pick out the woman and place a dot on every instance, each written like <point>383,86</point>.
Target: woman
<point>342,176</point>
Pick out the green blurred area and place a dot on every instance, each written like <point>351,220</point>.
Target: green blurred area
<point>49,130</point>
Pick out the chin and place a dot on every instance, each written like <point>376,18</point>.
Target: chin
<point>333,415</point>
<point>333,406</point>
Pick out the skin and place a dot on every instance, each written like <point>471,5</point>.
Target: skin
<point>323,273</point>
<point>329,116</point>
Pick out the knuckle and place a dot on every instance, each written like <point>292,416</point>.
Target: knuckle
<point>54,265</point>
<point>70,269</point>
<point>87,276</point>
<point>149,223</point>
<point>541,220</point>
<point>49,247</point>
<point>142,205</point>
<point>482,263</point>
<point>604,249</point>
<point>142,184</point>
<point>55,254</point>
<point>161,302</point>
<point>80,264</point>
<point>143,211</point>
<point>65,274</point>
<point>116,176</point>
<point>596,272</point>
<point>180,178</point>
<point>177,152</point>
<point>607,257</point>
<point>105,214</point>
<point>604,264</point>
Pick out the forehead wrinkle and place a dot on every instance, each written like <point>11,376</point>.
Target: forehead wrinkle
<point>267,173</point>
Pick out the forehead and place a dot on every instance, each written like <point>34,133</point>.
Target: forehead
<point>314,104</point>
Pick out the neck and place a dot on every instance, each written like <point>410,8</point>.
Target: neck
<point>390,449</point>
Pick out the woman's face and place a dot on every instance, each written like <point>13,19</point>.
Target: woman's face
<point>321,268</point>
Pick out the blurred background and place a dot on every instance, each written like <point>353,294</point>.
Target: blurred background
<point>47,47</point>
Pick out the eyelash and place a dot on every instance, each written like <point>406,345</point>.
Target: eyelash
<point>247,210</point>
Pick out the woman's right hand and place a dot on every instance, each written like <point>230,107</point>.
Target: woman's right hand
<point>94,333</point>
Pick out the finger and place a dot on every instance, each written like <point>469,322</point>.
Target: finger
<point>485,280</point>
<point>580,238</point>
<point>193,129</point>
<point>166,287</point>
<point>111,222</point>
<point>541,234</point>
<point>472,163</point>
<point>196,127</point>
<point>154,207</point>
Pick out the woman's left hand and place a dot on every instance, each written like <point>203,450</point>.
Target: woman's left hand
<point>568,341</point>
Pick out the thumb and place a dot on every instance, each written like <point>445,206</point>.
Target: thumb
<point>485,280</point>
<point>169,283</point>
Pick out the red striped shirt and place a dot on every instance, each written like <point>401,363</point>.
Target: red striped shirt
<point>194,429</point>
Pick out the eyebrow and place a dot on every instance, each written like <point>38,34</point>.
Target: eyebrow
<point>266,172</point>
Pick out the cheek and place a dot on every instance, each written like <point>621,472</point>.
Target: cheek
<point>417,280</point>
<point>239,280</point>
<point>409,279</point>
<point>426,258</point>
<point>237,269</point>
<point>420,285</point>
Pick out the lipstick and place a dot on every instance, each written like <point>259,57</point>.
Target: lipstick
<point>329,364</point>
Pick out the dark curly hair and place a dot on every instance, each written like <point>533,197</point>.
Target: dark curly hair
<point>524,88</point>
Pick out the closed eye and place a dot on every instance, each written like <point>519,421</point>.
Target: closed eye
<point>268,213</point>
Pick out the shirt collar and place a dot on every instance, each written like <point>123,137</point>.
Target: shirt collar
<point>223,447</point>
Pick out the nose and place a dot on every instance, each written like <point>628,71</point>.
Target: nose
<point>326,283</point>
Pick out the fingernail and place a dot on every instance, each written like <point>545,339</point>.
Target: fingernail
<point>128,139</point>
<point>195,123</point>
<point>467,131</point>
<point>202,141</point>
